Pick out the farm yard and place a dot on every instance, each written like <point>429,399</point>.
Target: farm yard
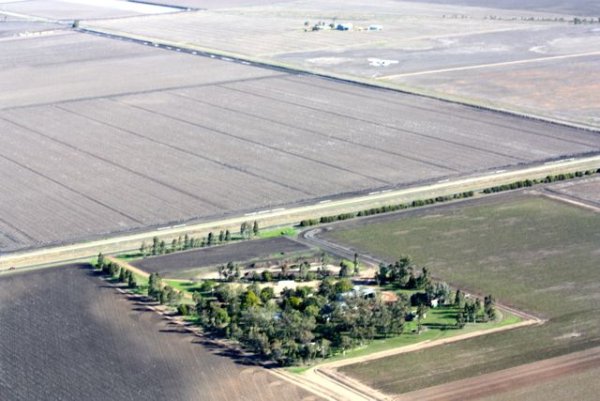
<point>68,336</point>
<point>173,138</point>
<point>531,252</point>
<point>188,264</point>
<point>423,47</point>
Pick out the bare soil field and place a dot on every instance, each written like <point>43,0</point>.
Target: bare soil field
<point>582,386</point>
<point>64,335</point>
<point>524,379</point>
<point>11,27</point>
<point>215,4</point>
<point>80,9</point>
<point>540,88</point>
<point>182,263</point>
<point>530,252</point>
<point>121,136</point>
<point>587,190</point>
<point>575,7</point>
<point>417,38</point>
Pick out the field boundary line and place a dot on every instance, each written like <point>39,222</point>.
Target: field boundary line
<point>569,199</point>
<point>489,65</point>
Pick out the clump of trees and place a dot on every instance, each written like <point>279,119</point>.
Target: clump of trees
<point>473,311</point>
<point>402,275</point>
<point>162,293</point>
<point>302,324</point>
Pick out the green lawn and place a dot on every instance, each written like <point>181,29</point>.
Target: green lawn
<point>278,232</point>
<point>534,253</point>
<point>186,286</point>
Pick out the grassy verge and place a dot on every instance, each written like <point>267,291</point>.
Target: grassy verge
<point>278,232</point>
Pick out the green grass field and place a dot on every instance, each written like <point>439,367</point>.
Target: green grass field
<point>530,252</point>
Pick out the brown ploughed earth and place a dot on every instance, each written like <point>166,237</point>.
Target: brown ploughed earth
<point>509,379</point>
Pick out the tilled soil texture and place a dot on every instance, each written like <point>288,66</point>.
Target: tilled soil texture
<point>103,136</point>
<point>65,335</point>
<point>180,263</point>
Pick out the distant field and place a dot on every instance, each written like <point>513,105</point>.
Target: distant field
<point>579,386</point>
<point>216,4</point>
<point>66,336</point>
<point>80,9</point>
<point>122,136</point>
<point>417,37</point>
<point>186,264</point>
<point>18,27</point>
<point>587,190</point>
<point>535,88</point>
<point>576,7</point>
<point>533,253</point>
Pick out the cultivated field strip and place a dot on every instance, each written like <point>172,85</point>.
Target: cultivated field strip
<point>71,66</point>
<point>170,138</point>
<point>67,336</point>
<point>175,264</point>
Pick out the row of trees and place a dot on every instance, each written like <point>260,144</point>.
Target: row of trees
<point>113,270</point>
<point>300,271</point>
<point>385,209</point>
<point>548,179</point>
<point>160,247</point>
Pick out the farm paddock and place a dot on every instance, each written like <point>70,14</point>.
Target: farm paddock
<point>521,56</point>
<point>187,264</point>
<point>63,326</point>
<point>586,191</point>
<point>135,137</point>
<point>530,252</point>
